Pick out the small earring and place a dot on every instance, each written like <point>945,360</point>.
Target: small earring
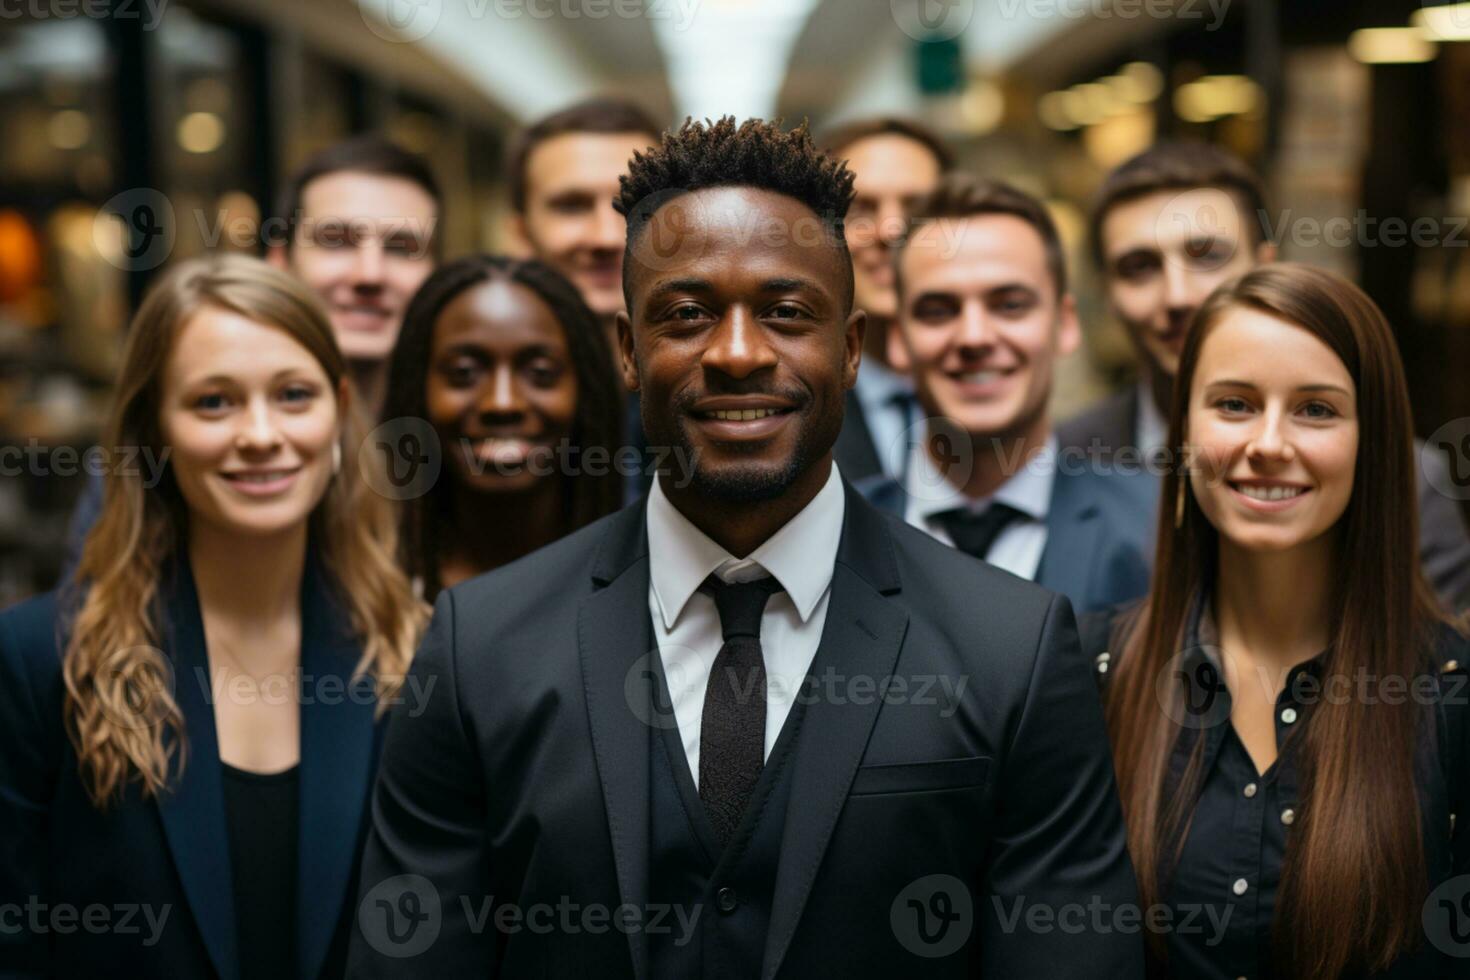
<point>336,458</point>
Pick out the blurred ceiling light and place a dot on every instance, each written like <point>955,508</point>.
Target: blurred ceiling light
<point>1120,137</point>
<point>708,78</point>
<point>982,106</point>
<point>1051,109</point>
<point>1101,100</point>
<point>1449,22</point>
<point>201,132</point>
<point>1213,96</point>
<point>1079,108</point>
<point>69,129</point>
<point>1139,81</point>
<point>1391,46</point>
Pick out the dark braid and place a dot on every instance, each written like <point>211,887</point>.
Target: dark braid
<point>600,398</point>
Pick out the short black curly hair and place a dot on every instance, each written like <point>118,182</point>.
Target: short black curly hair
<point>755,153</point>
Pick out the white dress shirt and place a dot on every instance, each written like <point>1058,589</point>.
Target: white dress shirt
<point>686,624</point>
<point>1152,429</point>
<point>887,400</point>
<point>1018,547</point>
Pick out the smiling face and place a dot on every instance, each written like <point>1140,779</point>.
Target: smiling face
<point>569,222</point>
<point>1164,253</point>
<point>250,418</point>
<point>982,325</point>
<point>1277,435</point>
<point>501,387</point>
<point>742,349</point>
<point>891,173</point>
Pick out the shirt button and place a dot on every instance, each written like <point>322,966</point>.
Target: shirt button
<point>1240,886</point>
<point>1288,715</point>
<point>1288,817</point>
<point>726,899</point>
<point>1250,790</point>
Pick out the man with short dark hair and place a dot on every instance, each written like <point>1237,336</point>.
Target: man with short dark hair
<point>1168,227</point>
<point>563,174</point>
<point>984,314</point>
<point>691,724</point>
<point>361,229</point>
<point>895,161</point>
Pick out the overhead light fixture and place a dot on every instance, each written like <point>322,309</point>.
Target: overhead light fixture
<point>1450,22</point>
<point>1051,109</point>
<point>1391,46</point>
<point>1212,97</point>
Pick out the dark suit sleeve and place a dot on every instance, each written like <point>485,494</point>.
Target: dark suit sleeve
<point>1444,545</point>
<point>425,873</point>
<point>27,783</point>
<point>1060,900</point>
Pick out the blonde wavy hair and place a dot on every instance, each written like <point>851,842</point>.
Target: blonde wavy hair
<point>119,706</point>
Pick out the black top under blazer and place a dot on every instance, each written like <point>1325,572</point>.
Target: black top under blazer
<point>526,782</point>
<point>171,856</point>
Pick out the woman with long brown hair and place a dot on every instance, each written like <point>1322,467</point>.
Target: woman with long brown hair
<point>1287,707</point>
<point>191,730</point>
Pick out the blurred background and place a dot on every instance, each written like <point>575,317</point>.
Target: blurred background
<point>199,108</point>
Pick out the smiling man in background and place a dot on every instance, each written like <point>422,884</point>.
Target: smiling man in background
<point>1167,228</point>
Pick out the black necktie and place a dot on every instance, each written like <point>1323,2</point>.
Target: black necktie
<point>732,732</point>
<point>974,533</point>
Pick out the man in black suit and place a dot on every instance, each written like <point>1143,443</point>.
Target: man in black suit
<point>752,727</point>
<point>894,162</point>
<point>1168,226</point>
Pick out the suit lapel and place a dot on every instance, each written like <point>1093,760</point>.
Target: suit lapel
<point>193,810</point>
<point>615,640</point>
<point>1072,531</point>
<point>861,638</point>
<point>337,758</point>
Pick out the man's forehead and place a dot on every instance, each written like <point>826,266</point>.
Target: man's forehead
<point>954,249</point>
<point>582,159</point>
<point>351,194</point>
<point>1171,217</point>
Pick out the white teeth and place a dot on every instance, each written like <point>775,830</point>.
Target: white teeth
<point>742,414</point>
<point>1271,493</point>
<point>980,377</point>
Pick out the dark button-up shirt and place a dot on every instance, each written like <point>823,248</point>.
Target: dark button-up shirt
<point>1222,891</point>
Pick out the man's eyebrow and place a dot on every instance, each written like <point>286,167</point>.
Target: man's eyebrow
<point>787,284</point>
<point>685,285</point>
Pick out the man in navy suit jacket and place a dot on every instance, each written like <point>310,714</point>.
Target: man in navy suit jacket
<point>984,314</point>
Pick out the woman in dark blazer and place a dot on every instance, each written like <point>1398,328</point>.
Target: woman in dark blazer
<point>1287,707</point>
<point>191,731</point>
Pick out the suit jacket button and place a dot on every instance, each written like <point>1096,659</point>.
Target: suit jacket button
<point>726,899</point>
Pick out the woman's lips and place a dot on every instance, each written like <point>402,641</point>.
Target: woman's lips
<point>262,483</point>
<point>1268,497</point>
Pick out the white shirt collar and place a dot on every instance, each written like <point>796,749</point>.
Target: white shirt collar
<point>877,385</point>
<point>800,555</point>
<point>1152,428</point>
<point>1028,490</point>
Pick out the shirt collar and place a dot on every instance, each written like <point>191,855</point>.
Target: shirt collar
<point>877,385</point>
<point>1152,427</point>
<point>800,555</point>
<point>1028,490</point>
